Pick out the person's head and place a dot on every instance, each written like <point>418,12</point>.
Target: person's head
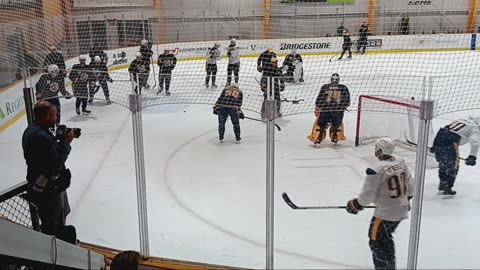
<point>346,34</point>
<point>270,50</point>
<point>294,51</point>
<point>384,148</point>
<point>144,42</point>
<point>216,45</point>
<point>97,59</point>
<point>166,51</point>
<point>138,55</point>
<point>45,114</point>
<point>126,260</point>
<point>335,79</point>
<point>53,70</point>
<point>233,41</point>
<point>82,59</point>
<point>52,49</point>
<point>274,61</point>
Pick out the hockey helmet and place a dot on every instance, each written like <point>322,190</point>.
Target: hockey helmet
<point>53,69</point>
<point>294,51</point>
<point>386,145</point>
<point>144,42</point>
<point>138,54</point>
<point>270,49</point>
<point>216,44</point>
<point>335,79</point>
<point>97,59</point>
<point>233,41</point>
<point>82,58</point>
<point>346,33</point>
<point>475,118</point>
<point>52,48</point>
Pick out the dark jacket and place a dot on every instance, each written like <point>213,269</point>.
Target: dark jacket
<point>49,87</point>
<point>333,97</point>
<point>42,152</point>
<point>265,60</point>
<point>57,59</point>
<point>166,62</point>
<point>139,66</point>
<point>146,52</point>
<point>347,42</point>
<point>79,76</point>
<point>95,51</point>
<point>99,72</point>
<point>230,97</point>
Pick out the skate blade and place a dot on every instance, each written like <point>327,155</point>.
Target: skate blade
<point>446,197</point>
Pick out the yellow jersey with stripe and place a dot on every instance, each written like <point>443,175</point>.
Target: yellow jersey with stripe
<point>388,185</point>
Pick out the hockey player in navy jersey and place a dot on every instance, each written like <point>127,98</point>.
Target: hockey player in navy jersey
<point>228,104</point>
<point>79,76</point>
<point>445,147</point>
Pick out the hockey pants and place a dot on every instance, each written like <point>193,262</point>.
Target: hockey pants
<point>235,68</point>
<point>445,147</point>
<point>223,114</point>
<point>381,242</point>
<point>94,89</point>
<point>164,78</point>
<point>211,71</point>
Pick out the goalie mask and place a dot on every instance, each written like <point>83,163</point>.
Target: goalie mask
<point>384,146</point>
<point>335,79</point>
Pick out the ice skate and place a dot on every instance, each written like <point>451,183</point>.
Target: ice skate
<point>167,93</point>
<point>87,111</point>
<point>77,110</point>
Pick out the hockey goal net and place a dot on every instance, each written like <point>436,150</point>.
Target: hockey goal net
<point>386,116</point>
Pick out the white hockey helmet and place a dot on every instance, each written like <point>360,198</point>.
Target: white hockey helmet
<point>234,85</point>
<point>217,44</point>
<point>97,59</point>
<point>53,69</point>
<point>386,145</point>
<point>335,79</point>
<point>138,54</point>
<point>475,118</point>
<point>233,41</point>
<point>82,58</point>
<point>144,42</point>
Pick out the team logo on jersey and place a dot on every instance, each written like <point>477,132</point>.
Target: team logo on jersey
<point>141,69</point>
<point>168,63</point>
<point>83,76</point>
<point>54,87</point>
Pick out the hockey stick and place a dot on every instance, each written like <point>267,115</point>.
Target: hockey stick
<point>294,206</point>
<point>294,101</point>
<point>258,120</point>
<point>154,76</point>
<point>335,55</point>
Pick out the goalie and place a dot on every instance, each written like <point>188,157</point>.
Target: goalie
<point>331,103</point>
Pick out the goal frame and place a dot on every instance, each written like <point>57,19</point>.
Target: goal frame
<point>388,101</point>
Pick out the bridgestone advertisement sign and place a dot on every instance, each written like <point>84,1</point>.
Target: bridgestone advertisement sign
<point>305,46</point>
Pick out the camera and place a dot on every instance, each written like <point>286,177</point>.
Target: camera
<point>62,130</point>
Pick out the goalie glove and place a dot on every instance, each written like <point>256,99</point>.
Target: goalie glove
<point>471,160</point>
<point>240,114</point>
<point>215,110</point>
<point>353,206</point>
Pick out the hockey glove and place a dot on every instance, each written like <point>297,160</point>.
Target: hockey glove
<point>432,150</point>
<point>68,95</point>
<point>353,206</point>
<point>317,111</point>
<point>259,69</point>
<point>215,110</point>
<point>471,160</point>
<point>240,114</point>
<point>109,79</point>
<point>282,87</point>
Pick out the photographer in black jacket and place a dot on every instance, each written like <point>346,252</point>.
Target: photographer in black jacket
<point>45,155</point>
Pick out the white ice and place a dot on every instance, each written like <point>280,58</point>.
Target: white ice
<point>206,200</point>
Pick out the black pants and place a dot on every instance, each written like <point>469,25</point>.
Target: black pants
<point>223,114</point>
<point>235,68</point>
<point>94,89</point>
<point>211,71</point>
<point>164,77</point>
<point>445,146</point>
<point>362,43</point>
<point>56,103</point>
<point>334,118</point>
<point>381,242</point>
<point>344,50</point>
<point>142,81</point>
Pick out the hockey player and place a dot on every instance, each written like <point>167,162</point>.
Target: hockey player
<point>166,63</point>
<point>275,74</point>
<point>331,103</point>
<point>293,63</point>
<point>445,147</point>
<point>139,70</point>
<point>213,55</point>
<point>56,58</point>
<point>347,45</point>
<point>48,86</point>
<point>79,76</point>
<point>147,53</point>
<point>97,51</point>
<point>228,104</point>
<point>233,54</point>
<point>389,185</point>
<point>362,41</point>
<point>99,74</point>
<point>264,61</point>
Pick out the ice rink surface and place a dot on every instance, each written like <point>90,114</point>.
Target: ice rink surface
<point>206,200</point>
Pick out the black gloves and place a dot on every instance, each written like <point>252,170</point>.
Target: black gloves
<point>215,110</point>
<point>471,160</point>
<point>240,114</point>
<point>353,206</point>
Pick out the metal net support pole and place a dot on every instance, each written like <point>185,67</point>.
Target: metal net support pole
<point>270,113</point>
<point>426,113</point>
<point>136,109</point>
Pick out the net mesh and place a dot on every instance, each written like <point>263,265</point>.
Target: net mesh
<point>392,65</point>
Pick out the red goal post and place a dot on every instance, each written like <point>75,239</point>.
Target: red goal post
<point>387,116</point>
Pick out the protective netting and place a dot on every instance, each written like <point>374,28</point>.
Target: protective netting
<point>392,65</point>
<point>17,210</point>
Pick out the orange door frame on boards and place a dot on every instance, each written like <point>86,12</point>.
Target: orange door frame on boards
<point>266,19</point>
<point>372,13</point>
<point>472,16</point>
